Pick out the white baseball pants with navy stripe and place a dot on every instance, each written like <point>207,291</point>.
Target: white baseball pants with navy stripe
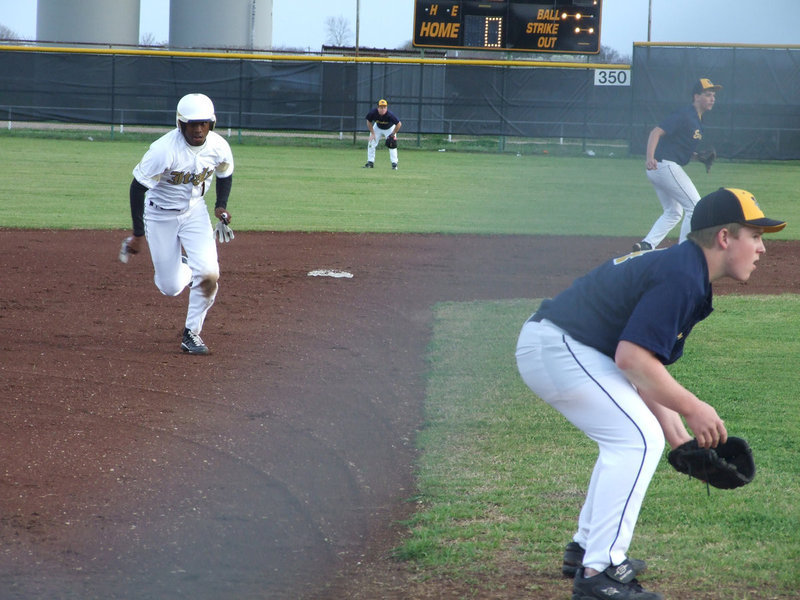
<point>677,195</point>
<point>587,388</point>
<point>373,144</point>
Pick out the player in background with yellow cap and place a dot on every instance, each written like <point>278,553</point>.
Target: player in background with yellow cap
<point>382,123</point>
<point>670,147</point>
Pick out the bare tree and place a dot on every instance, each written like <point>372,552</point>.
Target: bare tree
<point>7,34</point>
<point>338,32</point>
<point>610,56</point>
<point>149,39</point>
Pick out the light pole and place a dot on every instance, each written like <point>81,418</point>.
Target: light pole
<point>358,20</point>
<point>649,19</point>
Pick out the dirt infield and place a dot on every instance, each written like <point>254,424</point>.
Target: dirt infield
<point>278,466</point>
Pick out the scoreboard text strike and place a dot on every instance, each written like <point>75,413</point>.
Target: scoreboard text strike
<point>510,25</point>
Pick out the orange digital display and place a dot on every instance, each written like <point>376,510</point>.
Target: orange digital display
<point>509,25</point>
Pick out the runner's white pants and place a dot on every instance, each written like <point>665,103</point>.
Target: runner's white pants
<point>373,143</point>
<point>167,231</point>
<point>677,195</point>
<point>594,395</point>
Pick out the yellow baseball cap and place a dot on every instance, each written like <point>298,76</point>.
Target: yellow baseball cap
<point>730,205</point>
<point>382,102</point>
<point>704,85</point>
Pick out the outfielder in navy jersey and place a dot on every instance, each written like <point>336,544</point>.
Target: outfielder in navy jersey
<point>670,147</point>
<point>382,123</point>
<point>597,354</point>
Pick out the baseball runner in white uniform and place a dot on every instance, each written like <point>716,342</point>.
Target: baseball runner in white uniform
<point>168,207</point>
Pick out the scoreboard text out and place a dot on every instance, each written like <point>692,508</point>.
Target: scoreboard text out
<point>510,25</point>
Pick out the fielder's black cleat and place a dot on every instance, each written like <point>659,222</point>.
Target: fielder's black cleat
<point>573,560</point>
<point>615,583</point>
<point>642,246</point>
<point>192,343</point>
<point>369,165</point>
<point>394,166</point>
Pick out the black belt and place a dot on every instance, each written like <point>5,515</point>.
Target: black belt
<point>154,205</point>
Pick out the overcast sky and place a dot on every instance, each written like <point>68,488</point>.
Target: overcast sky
<point>390,23</point>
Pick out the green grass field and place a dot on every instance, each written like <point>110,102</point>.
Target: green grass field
<point>495,486</point>
<point>84,184</point>
<point>502,475</point>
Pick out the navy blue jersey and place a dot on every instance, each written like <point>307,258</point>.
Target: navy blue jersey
<point>652,299</point>
<point>385,121</point>
<point>684,130</point>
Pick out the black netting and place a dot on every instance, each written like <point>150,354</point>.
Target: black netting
<point>757,113</point>
<point>756,116</point>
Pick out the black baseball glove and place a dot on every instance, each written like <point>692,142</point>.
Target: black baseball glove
<point>391,141</point>
<point>729,465</point>
<point>707,157</point>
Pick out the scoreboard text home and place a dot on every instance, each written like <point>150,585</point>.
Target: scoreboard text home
<point>510,25</point>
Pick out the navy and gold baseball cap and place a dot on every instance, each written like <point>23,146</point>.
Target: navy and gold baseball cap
<point>704,85</point>
<point>731,205</point>
<point>382,102</point>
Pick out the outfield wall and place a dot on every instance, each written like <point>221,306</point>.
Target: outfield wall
<point>757,114</point>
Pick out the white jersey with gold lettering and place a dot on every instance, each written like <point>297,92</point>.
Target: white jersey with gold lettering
<point>178,175</point>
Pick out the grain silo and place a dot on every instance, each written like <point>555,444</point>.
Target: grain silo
<point>88,21</point>
<point>245,24</point>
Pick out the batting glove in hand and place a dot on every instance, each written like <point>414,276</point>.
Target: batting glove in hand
<point>223,232</point>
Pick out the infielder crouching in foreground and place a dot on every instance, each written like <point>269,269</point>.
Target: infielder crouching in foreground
<point>168,206</point>
<point>597,354</point>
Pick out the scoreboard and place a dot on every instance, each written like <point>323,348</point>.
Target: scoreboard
<point>570,27</point>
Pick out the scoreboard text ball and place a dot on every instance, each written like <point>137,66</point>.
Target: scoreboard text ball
<point>509,25</point>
